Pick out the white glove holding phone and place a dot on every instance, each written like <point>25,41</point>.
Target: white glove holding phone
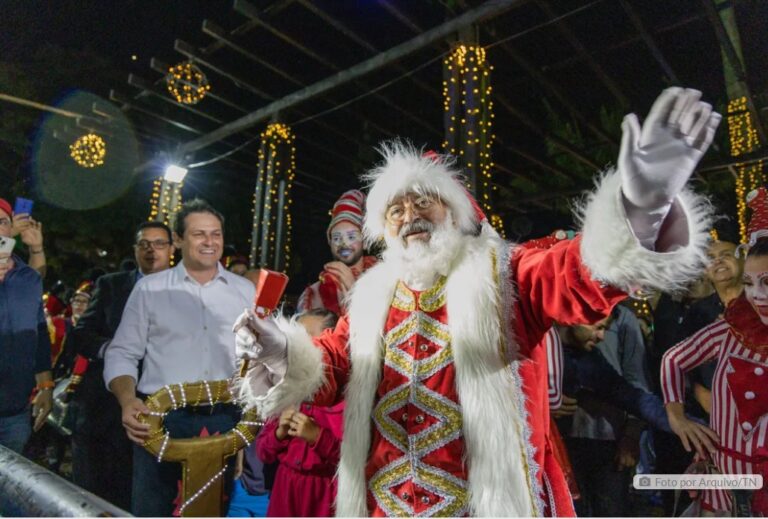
<point>257,338</point>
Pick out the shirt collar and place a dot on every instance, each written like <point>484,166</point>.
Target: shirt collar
<point>181,274</point>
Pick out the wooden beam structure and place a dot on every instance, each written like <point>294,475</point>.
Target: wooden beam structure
<point>487,10</point>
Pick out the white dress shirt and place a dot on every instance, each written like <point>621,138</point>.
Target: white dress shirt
<point>181,329</point>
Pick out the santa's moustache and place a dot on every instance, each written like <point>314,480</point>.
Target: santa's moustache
<point>421,261</point>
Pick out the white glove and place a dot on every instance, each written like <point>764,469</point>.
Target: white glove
<point>257,338</point>
<point>657,160</point>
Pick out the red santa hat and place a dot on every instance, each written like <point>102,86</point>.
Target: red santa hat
<point>406,169</point>
<point>348,208</point>
<point>757,200</point>
<point>53,305</point>
<point>6,207</point>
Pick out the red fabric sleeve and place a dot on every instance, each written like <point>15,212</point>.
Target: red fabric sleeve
<point>554,286</point>
<point>327,447</point>
<point>686,355</point>
<point>268,447</point>
<point>336,360</point>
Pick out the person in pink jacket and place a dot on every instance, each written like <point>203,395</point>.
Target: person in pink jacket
<point>306,444</point>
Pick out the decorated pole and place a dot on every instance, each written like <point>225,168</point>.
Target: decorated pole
<point>165,202</point>
<point>468,119</point>
<point>258,203</point>
<point>271,237</point>
<point>743,127</point>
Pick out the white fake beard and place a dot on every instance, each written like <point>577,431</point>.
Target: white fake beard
<point>420,263</point>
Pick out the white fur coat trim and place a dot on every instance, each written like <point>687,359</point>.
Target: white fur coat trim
<point>614,255</point>
<point>304,376</point>
<point>495,433</point>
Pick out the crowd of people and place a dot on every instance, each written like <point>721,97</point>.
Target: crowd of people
<point>454,373</point>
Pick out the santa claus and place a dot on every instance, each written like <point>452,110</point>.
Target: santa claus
<point>428,356</point>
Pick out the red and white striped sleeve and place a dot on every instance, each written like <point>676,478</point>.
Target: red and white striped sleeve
<point>686,355</point>
<point>554,348</point>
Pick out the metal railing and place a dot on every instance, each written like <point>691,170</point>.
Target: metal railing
<point>29,490</point>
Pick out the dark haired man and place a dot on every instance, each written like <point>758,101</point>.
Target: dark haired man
<point>178,323</point>
<point>101,454</point>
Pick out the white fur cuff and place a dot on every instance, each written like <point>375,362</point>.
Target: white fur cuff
<point>613,254</point>
<point>305,374</point>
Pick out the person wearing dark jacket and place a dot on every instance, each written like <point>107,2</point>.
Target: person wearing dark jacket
<point>25,355</point>
<point>101,453</point>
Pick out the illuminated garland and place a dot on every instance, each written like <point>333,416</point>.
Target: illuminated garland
<point>743,139</point>
<point>642,309</point>
<point>88,151</point>
<point>165,201</point>
<point>498,224</point>
<point>468,117</point>
<point>187,83</point>
<point>206,451</point>
<point>277,162</point>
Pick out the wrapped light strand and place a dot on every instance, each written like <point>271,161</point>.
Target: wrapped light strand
<point>468,119</point>
<point>743,139</point>
<point>272,221</point>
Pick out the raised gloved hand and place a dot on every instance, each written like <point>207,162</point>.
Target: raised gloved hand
<point>657,160</point>
<point>257,338</point>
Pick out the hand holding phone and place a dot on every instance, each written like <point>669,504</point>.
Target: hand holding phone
<point>23,206</point>
<point>6,248</point>
<point>269,290</point>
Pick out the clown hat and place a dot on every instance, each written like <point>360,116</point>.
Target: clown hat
<point>84,289</point>
<point>348,208</point>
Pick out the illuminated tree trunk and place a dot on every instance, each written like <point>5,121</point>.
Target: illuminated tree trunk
<point>165,202</point>
<point>468,119</point>
<point>742,133</point>
<point>271,236</point>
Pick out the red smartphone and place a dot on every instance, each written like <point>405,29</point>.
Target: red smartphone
<point>269,290</point>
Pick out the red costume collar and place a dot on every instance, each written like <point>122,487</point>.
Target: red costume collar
<point>746,325</point>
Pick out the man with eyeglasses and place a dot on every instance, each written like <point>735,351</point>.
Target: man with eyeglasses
<point>101,453</point>
<point>345,237</point>
<point>178,323</point>
<point>25,346</point>
<point>428,356</point>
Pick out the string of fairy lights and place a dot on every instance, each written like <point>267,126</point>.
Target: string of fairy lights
<point>469,118</point>
<point>272,220</point>
<point>187,83</point>
<point>744,139</point>
<point>165,201</point>
<point>88,151</point>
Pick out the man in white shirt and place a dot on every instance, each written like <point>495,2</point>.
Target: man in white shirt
<point>178,324</point>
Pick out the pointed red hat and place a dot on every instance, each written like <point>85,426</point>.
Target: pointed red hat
<point>757,200</point>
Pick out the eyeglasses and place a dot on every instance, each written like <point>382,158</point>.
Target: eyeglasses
<point>396,212</point>
<point>156,245</point>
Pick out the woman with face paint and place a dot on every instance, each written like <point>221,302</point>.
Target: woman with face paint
<point>737,439</point>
